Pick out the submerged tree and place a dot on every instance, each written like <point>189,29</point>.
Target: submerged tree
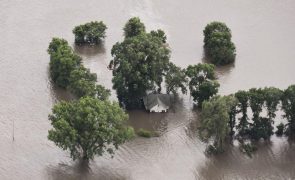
<point>133,27</point>
<point>202,82</point>
<point>88,127</point>
<point>83,83</point>
<point>92,32</point>
<point>139,64</point>
<point>215,118</point>
<point>261,126</point>
<point>218,45</point>
<point>243,126</point>
<point>175,78</point>
<point>288,106</point>
<point>62,61</point>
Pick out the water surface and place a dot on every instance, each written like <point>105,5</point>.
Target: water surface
<point>263,34</point>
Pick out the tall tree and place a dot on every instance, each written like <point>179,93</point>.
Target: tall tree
<point>88,127</point>
<point>175,78</point>
<point>243,126</point>
<point>202,82</point>
<point>215,118</point>
<point>139,64</point>
<point>288,106</point>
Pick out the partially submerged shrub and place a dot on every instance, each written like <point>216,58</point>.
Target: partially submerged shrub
<point>146,133</point>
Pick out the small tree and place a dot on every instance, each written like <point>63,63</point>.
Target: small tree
<point>215,118</point>
<point>288,106</point>
<point>133,27</point>
<point>91,33</point>
<point>218,45</point>
<point>201,84</point>
<point>88,127</point>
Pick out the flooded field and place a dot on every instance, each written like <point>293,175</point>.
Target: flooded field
<point>262,31</point>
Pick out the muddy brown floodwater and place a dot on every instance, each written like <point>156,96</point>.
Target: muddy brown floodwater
<point>263,31</point>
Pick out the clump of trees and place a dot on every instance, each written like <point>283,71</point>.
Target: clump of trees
<point>218,45</point>
<point>91,125</point>
<point>90,33</point>
<point>88,127</point>
<point>140,64</point>
<point>67,71</point>
<point>243,112</point>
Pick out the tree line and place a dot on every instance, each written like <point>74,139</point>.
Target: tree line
<point>90,125</point>
<point>247,115</point>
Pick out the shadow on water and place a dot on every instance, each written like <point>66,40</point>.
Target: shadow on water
<point>89,51</point>
<point>80,170</point>
<point>220,70</point>
<point>234,164</point>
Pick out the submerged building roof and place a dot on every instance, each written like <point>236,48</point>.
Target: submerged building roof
<point>161,100</point>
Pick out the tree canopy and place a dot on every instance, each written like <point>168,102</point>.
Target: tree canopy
<point>202,84</point>
<point>134,27</point>
<point>215,118</point>
<point>218,45</point>
<point>62,61</point>
<point>288,106</point>
<point>88,127</point>
<point>91,33</point>
<point>138,66</point>
<point>83,83</point>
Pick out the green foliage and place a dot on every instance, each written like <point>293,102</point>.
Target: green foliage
<point>67,71</point>
<point>82,83</point>
<point>280,129</point>
<point>159,34</point>
<point>243,125</point>
<point>62,61</point>
<point>88,127</point>
<point>175,78</point>
<point>147,134</point>
<point>201,84</point>
<point>133,27</point>
<point>91,33</point>
<point>272,99</point>
<point>139,64</point>
<point>218,45</point>
<point>288,106</point>
<point>261,128</point>
<point>215,118</point>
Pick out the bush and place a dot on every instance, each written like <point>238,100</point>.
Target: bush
<point>91,33</point>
